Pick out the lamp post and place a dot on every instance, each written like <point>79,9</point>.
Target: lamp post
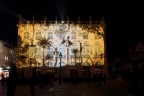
<point>60,77</point>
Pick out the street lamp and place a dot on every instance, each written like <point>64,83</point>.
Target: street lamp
<point>60,77</point>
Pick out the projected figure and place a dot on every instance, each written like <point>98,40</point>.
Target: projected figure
<point>81,52</point>
<point>68,44</point>
<point>56,53</point>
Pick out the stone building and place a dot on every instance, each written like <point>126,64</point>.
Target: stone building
<point>8,54</point>
<point>80,43</point>
<point>7,57</point>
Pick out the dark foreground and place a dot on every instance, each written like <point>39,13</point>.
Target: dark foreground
<point>115,87</point>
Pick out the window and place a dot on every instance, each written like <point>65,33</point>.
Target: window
<point>73,35</point>
<point>38,35</point>
<point>97,50</point>
<point>85,35</point>
<point>26,35</point>
<point>85,49</point>
<point>37,50</point>
<point>96,35</point>
<point>50,35</point>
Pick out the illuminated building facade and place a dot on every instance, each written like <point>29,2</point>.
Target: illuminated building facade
<point>80,42</point>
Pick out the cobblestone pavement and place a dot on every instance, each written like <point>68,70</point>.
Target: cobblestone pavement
<point>113,88</point>
<point>2,90</point>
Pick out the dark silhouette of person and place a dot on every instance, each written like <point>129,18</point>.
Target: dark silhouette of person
<point>33,82</point>
<point>94,78</point>
<point>52,80</point>
<point>3,79</point>
<point>12,81</point>
<point>89,79</point>
<point>141,78</point>
<point>99,79</point>
<point>104,78</point>
<point>132,82</point>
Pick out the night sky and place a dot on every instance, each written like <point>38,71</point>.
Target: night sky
<point>125,21</point>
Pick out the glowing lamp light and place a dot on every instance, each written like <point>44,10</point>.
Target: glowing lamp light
<point>62,22</point>
<point>7,67</point>
<point>1,68</point>
<point>6,70</point>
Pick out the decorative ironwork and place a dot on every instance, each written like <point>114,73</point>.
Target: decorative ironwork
<point>62,28</point>
<point>44,25</point>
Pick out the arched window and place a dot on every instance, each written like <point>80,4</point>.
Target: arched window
<point>97,36</point>
<point>26,35</point>
<point>50,35</point>
<point>37,50</point>
<point>38,35</point>
<point>97,49</point>
<point>85,49</point>
<point>85,35</point>
<point>73,35</point>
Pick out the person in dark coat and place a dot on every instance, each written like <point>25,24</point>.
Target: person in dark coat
<point>89,79</point>
<point>12,81</point>
<point>52,80</point>
<point>104,79</point>
<point>3,80</point>
<point>33,82</point>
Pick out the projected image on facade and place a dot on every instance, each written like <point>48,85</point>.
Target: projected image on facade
<point>40,43</point>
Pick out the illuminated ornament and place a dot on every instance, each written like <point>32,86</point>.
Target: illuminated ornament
<point>44,24</point>
<point>62,28</point>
